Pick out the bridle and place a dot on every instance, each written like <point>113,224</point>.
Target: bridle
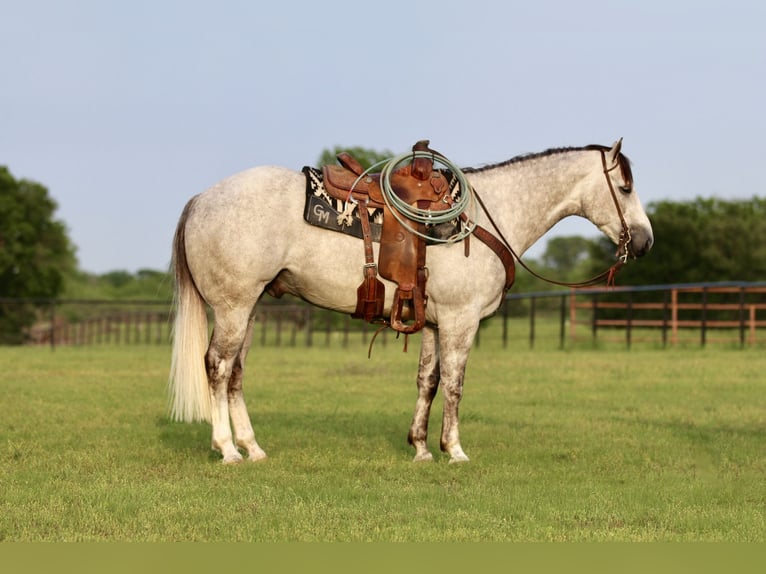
<point>622,247</point>
<point>625,237</point>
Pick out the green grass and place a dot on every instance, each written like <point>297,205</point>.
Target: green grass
<point>583,445</point>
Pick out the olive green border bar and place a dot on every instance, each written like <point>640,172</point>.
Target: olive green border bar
<point>467,558</point>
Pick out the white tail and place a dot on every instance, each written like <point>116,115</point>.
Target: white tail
<point>188,384</point>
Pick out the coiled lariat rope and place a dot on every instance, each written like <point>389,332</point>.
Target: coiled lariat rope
<point>406,213</point>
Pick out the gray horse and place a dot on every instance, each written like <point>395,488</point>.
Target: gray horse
<point>242,234</point>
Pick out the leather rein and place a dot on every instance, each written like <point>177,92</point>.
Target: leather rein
<point>623,245</point>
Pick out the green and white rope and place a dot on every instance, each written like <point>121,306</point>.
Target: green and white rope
<point>406,213</point>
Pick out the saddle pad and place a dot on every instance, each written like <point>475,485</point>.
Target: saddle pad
<point>322,211</point>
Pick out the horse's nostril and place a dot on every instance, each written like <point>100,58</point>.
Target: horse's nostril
<point>644,249</point>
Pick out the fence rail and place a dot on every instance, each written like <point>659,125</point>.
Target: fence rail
<point>665,315</point>
<point>732,311</point>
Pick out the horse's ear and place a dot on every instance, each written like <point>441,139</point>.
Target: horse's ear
<point>614,153</point>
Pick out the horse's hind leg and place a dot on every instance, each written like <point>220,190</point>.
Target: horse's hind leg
<point>428,383</point>
<point>222,355</point>
<point>243,428</point>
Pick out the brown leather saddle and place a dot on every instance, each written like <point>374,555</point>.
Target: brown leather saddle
<point>402,255</point>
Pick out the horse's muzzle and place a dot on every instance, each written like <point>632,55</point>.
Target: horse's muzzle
<point>640,242</point>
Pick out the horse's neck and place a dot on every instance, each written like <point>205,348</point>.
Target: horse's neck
<point>526,198</point>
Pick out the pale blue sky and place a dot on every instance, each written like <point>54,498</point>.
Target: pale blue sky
<point>124,110</point>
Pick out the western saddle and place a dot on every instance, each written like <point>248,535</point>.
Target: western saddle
<point>402,254</point>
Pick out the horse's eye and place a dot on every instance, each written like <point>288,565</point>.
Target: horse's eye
<point>626,188</point>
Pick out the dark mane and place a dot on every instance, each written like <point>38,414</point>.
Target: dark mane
<point>624,162</point>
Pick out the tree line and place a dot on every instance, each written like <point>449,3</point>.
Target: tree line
<point>706,239</point>
<point>702,240</point>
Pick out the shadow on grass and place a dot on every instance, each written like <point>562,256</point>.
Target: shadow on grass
<point>192,439</point>
<point>312,432</point>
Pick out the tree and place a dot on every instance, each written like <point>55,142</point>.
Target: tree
<point>704,240</point>
<point>566,255</point>
<point>365,156</point>
<point>35,252</point>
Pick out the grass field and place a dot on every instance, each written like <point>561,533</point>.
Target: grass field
<point>579,445</point>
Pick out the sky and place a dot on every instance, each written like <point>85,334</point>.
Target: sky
<point>125,110</point>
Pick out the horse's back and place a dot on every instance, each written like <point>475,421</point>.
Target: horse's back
<point>249,195</point>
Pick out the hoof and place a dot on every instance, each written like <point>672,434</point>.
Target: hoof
<point>257,456</point>
<point>423,457</point>
<point>235,458</point>
<point>459,458</point>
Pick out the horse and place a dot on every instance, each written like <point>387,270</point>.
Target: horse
<point>245,236</point>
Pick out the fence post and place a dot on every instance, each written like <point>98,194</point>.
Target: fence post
<point>532,309</point>
<point>741,316</point>
<point>137,327</point>
<point>703,323</point>
<point>594,326</point>
<point>309,325</point>
<point>53,325</point>
<point>674,315</point>
<point>158,316</point>
<point>279,328</point>
<point>562,321</point>
<point>264,319</point>
<point>572,315</point>
<point>294,330</point>
<point>505,323</point>
<point>752,324</point>
<point>346,329</point>
<point>629,322</point>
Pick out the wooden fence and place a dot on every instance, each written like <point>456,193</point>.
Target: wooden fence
<point>709,313</point>
<point>103,322</point>
<point>121,327</point>
<point>664,315</point>
<point>99,322</point>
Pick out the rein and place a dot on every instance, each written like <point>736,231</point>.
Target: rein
<point>607,275</point>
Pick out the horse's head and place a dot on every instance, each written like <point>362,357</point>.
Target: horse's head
<point>614,205</point>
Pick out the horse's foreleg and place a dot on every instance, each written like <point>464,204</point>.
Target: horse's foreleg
<point>428,383</point>
<point>243,429</point>
<point>454,347</point>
